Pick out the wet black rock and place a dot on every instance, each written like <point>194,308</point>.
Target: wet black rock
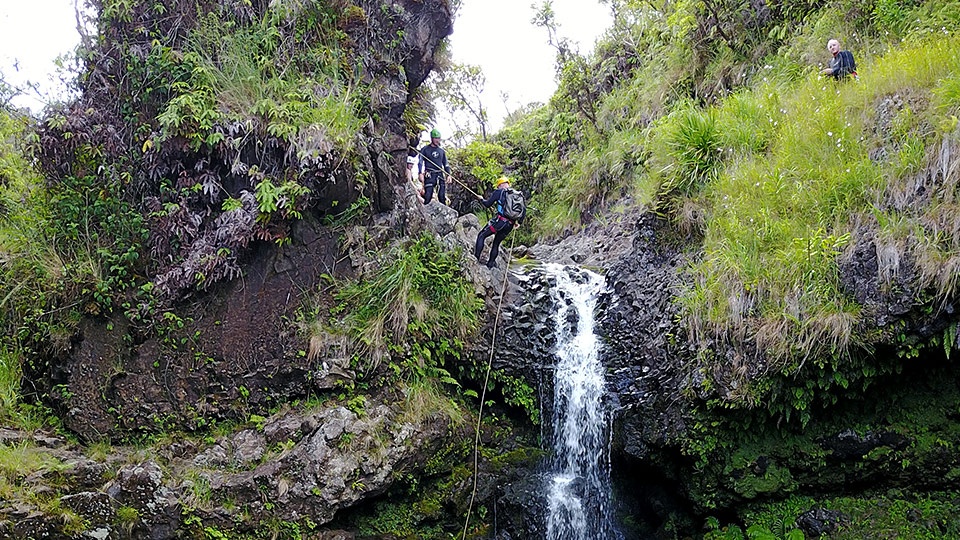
<point>817,522</point>
<point>849,445</point>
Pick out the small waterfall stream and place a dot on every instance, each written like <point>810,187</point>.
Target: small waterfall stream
<point>579,480</point>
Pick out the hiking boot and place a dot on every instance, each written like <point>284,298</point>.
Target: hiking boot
<point>491,264</point>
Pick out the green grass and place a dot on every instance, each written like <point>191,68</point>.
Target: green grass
<point>252,72</point>
<point>39,270</point>
<point>779,219</point>
<point>415,309</point>
<point>9,385</point>
<point>17,462</point>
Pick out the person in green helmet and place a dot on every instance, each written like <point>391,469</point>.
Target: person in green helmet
<point>434,169</point>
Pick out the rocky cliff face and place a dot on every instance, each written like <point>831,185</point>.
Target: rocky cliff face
<point>225,349</point>
<point>660,392</point>
<point>201,349</point>
<point>293,472</point>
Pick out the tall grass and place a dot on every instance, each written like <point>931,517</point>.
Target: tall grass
<point>32,270</point>
<point>10,374</point>
<point>296,91</point>
<point>414,310</point>
<point>781,213</point>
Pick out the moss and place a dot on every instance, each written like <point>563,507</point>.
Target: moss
<point>774,480</point>
<point>521,456</point>
<point>902,432</point>
<point>889,515</point>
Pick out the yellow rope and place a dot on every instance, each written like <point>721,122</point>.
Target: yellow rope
<point>483,393</point>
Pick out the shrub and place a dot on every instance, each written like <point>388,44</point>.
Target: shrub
<point>414,310</point>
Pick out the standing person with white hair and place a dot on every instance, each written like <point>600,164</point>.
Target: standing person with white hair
<point>842,64</point>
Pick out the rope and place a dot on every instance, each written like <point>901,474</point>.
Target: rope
<point>493,341</point>
<point>483,393</point>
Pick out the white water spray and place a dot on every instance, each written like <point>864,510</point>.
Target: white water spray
<point>579,480</point>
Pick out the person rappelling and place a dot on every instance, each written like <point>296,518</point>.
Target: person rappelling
<point>434,169</point>
<point>510,211</point>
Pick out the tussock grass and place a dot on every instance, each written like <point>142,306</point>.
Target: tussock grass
<point>782,208</point>
<point>414,309</point>
<point>424,398</point>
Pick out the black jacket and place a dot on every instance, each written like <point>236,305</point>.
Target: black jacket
<point>842,65</point>
<point>434,159</point>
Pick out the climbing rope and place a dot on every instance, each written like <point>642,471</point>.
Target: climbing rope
<point>493,341</point>
<point>483,393</point>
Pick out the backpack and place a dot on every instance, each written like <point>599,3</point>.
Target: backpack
<point>512,205</point>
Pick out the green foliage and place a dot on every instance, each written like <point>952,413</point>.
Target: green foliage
<point>744,458</point>
<point>429,505</point>
<point>896,515</point>
<point>14,410</point>
<point>68,247</point>
<point>479,164</point>
<point>514,390</point>
<point>191,113</point>
<point>273,199</point>
<point>248,72</point>
<point>10,374</point>
<point>351,214</point>
<point>401,519</point>
<point>416,310</point>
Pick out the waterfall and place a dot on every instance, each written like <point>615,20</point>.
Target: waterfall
<point>579,480</point>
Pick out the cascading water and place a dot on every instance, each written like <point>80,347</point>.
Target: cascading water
<point>579,481</point>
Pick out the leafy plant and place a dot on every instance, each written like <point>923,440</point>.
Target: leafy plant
<point>415,310</point>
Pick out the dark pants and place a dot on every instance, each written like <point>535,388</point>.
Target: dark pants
<point>429,181</point>
<point>500,228</point>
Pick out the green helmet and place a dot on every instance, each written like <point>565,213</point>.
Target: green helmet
<point>435,134</point>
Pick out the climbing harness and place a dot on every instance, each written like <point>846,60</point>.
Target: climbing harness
<point>445,173</point>
<point>483,393</point>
